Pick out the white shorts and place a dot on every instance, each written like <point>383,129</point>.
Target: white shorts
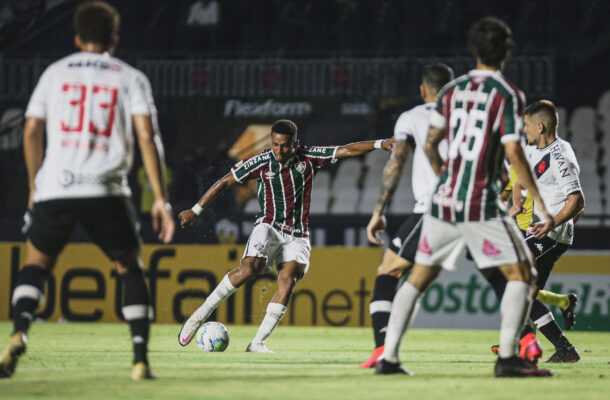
<point>277,247</point>
<point>491,243</point>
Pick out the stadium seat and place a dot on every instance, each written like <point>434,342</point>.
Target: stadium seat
<point>582,129</point>
<point>346,193</point>
<point>320,195</point>
<point>251,207</point>
<point>562,129</point>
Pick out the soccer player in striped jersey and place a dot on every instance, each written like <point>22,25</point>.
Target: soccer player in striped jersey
<point>280,236</point>
<point>411,132</point>
<point>479,114</point>
<point>88,103</point>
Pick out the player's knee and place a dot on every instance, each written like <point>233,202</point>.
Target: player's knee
<point>252,267</point>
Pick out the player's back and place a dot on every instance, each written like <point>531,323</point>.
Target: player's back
<point>87,100</point>
<point>480,112</point>
<point>412,126</point>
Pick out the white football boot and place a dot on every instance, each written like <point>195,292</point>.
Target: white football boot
<point>190,327</point>
<point>260,347</point>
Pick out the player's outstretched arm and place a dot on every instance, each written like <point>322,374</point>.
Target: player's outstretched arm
<point>33,150</point>
<point>360,148</point>
<point>515,156</point>
<point>435,136</point>
<point>187,217</point>
<point>389,182</point>
<point>162,219</point>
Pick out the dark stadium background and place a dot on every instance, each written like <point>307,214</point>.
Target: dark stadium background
<point>353,66</point>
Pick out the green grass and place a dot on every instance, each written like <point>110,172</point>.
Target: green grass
<point>92,361</point>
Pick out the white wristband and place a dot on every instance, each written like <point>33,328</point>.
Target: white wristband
<point>377,144</point>
<point>197,209</point>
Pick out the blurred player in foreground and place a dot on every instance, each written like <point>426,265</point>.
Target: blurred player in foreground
<point>556,168</point>
<point>88,103</point>
<point>280,236</point>
<point>410,132</point>
<point>479,113</point>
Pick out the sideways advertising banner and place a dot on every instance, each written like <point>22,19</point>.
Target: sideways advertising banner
<point>335,292</point>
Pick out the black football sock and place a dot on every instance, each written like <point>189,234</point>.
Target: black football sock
<point>136,311</point>
<point>28,295</point>
<point>545,322</point>
<point>497,281</point>
<point>381,305</point>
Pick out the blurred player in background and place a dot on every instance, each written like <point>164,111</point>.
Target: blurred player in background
<point>522,209</point>
<point>88,104</point>
<point>280,236</point>
<point>556,168</point>
<point>480,114</point>
<point>410,132</point>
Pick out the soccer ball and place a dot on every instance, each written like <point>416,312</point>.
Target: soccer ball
<point>213,336</point>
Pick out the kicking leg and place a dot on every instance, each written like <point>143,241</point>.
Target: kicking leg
<point>248,269</point>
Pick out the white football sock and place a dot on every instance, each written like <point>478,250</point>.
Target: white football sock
<point>403,308</point>
<point>514,308</point>
<point>224,289</point>
<point>275,312</point>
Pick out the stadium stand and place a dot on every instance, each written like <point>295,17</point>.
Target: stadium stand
<point>320,197</point>
<point>346,193</point>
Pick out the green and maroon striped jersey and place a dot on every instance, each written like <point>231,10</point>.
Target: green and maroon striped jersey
<point>480,111</point>
<point>284,189</point>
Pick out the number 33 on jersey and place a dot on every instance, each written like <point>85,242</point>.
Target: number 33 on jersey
<point>87,101</point>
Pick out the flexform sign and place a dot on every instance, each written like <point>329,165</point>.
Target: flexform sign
<point>266,108</point>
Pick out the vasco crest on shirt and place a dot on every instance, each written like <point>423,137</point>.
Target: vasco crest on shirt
<point>300,167</point>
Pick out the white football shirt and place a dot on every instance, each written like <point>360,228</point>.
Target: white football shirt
<point>556,170</point>
<point>87,101</point>
<point>412,126</point>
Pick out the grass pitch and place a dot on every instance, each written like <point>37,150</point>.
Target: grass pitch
<point>93,361</point>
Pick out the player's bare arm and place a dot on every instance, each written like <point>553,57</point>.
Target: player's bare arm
<point>33,150</point>
<point>187,217</point>
<point>389,182</point>
<point>435,136</point>
<point>162,219</point>
<point>514,154</point>
<point>572,209</point>
<point>360,148</point>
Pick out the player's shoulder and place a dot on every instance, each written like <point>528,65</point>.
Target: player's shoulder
<point>255,160</point>
<point>317,150</point>
<point>507,88</point>
<point>563,147</point>
<point>452,85</point>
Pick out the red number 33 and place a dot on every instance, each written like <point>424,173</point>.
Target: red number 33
<point>101,106</point>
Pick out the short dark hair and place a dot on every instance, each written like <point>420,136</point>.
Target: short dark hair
<point>491,41</point>
<point>548,111</point>
<point>437,75</point>
<point>285,127</point>
<point>97,22</point>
